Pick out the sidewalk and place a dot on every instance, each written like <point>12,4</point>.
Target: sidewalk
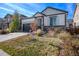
<point>2,53</point>
<point>11,35</point>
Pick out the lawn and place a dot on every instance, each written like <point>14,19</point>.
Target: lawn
<point>27,45</point>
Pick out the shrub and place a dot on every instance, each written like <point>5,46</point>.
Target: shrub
<point>3,32</point>
<point>50,33</point>
<point>39,32</point>
<point>15,24</point>
<point>75,44</point>
<point>64,35</point>
<point>62,44</point>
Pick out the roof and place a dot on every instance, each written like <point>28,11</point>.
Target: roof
<point>39,13</point>
<point>7,15</point>
<point>23,15</point>
<point>55,9</point>
<point>50,8</point>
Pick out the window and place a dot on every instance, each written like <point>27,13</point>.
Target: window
<point>53,20</point>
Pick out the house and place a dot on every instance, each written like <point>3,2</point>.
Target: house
<point>22,16</point>
<point>69,22</point>
<point>49,17</point>
<point>4,23</point>
<point>76,16</point>
<point>1,23</point>
<point>7,20</point>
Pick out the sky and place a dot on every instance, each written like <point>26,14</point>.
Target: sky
<point>30,9</point>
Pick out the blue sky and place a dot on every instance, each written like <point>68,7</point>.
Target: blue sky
<point>30,9</point>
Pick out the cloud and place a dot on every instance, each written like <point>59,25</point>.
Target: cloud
<point>6,9</point>
<point>36,6</point>
<point>19,9</point>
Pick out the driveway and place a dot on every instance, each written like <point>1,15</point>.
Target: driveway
<point>11,35</point>
<point>2,53</point>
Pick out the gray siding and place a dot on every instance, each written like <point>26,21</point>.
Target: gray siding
<point>50,11</point>
<point>60,20</point>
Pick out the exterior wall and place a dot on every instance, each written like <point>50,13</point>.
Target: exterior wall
<point>67,24</point>
<point>60,20</point>
<point>1,22</point>
<point>8,18</point>
<point>38,22</point>
<point>38,14</point>
<point>28,20</point>
<point>46,21</point>
<point>50,11</point>
<point>76,16</point>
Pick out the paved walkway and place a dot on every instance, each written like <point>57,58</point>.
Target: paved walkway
<point>2,53</point>
<point>10,36</point>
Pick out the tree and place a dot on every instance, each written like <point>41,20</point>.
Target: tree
<point>15,24</point>
<point>33,26</point>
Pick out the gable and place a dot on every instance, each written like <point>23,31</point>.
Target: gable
<point>76,14</point>
<point>49,11</point>
<point>8,15</point>
<point>38,14</point>
<point>21,15</point>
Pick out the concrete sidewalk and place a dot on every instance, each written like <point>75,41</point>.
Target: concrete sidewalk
<point>2,53</point>
<point>11,35</point>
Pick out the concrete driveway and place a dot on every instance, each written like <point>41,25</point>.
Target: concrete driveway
<point>11,35</point>
<point>2,53</point>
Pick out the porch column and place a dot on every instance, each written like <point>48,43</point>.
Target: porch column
<point>42,27</point>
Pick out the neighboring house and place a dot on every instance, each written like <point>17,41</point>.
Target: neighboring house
<point>1,23</point>
<point>49,17</point>
<point>76,16</point>
<point>7,20</point>
<point>69,22</point>
<point>22,16</point>
<point>4,23</point>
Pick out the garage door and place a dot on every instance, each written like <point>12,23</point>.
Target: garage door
<point>26,27</point>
